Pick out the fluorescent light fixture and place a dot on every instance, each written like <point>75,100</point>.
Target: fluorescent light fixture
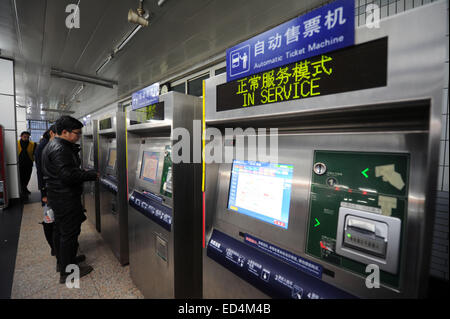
<point>77,92</point>
<point>109,58</point>
<point>79,89</point>
<point>127,38</point>
<point>120,46</point>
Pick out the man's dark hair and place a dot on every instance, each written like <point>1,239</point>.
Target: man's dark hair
<point>25,132</point>
<point>67,123</point>
<point>46,135</point>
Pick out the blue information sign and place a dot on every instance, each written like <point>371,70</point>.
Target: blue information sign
<point>325,29</point>
<point>150,206</point>
<point>298,262</point>
<point>272,276</point>
<point>145,97</point>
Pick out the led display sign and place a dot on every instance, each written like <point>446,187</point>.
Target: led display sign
<point>359,67</point>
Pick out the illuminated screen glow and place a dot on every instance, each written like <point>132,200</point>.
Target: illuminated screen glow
<point>261,190</point>
<point>149,166</point>
<point>112,157</point>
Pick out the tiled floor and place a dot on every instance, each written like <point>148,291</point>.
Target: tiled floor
<point>35,275</point>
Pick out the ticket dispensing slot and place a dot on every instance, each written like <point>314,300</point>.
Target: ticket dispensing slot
<point>368,237</point>
<point>365,235</point>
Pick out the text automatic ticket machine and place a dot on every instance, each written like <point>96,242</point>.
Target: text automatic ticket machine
<point>346,205</point>
<point>165,221</point>
<point>113,184</point>
<point>89,144</point>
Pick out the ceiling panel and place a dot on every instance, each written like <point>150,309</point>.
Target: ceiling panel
<point>92,15</point>
<point>8,39</point>
<point>55,32</point>
<point>31,17</point>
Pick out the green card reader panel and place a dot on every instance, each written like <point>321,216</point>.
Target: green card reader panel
<point>360,200</point>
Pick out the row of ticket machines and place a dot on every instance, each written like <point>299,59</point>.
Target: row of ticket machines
<point>345,211</point>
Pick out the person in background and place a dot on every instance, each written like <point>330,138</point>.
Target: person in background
<point>26,149</point>
<point>48,225</point>
<point>64,181</point>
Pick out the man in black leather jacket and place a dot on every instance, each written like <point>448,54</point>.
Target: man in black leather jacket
<point>64,181</point>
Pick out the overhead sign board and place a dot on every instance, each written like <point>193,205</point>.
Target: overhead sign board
<point>325,29</point>
<point>359,67</point>
<point>145,97</point>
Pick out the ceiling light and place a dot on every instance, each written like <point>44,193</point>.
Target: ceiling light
<point>77,92</point>
<point>126,39</point>
<point>121,45</point>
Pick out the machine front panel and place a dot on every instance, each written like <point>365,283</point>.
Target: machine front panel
<point>389,156</point>
<point>109,208</point>
<point>150,218</point>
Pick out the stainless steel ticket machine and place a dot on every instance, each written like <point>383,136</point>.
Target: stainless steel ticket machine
<point>91,197</point>
<point>165,221</point>
<point>345,209</point>
<point>113,184</point>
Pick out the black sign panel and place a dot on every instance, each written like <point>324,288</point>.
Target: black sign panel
<point>151,112</point>
<point>359,67</point>
<point>105,124</point>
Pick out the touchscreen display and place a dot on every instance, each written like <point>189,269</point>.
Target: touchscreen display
<point>149,166</point>
<point>261,190</point>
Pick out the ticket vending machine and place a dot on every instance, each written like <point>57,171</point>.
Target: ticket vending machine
<point>113,184</point>
<point>89,147</point>
<point>165,221</point>
<point>343,208</point>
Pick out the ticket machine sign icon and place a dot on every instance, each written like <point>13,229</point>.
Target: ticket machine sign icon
<point>240,61</point>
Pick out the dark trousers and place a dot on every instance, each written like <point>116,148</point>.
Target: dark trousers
<point>25,175</point>
<point>65,241</point>
<point>48,232</point>
<point>67,228</point>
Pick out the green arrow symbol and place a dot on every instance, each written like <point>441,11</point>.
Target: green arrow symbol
<point>364,173</point>
<point>318,223</point>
